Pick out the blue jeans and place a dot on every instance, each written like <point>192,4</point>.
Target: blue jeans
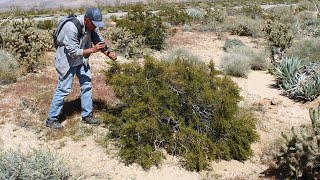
<point>64,87</point>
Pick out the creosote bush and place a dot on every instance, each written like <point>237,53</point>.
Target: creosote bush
<point>37,164</point>
<point>8,68</point>
<point>181,106</point>
<point>143,23</point>
<point>299,156</point>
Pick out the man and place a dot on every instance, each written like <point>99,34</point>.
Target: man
<point>71,59</point>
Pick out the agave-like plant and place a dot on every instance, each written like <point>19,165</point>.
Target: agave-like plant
<point>299,81</point>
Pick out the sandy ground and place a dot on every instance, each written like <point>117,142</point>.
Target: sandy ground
<point>89,160</point>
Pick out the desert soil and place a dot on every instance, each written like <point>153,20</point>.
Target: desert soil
<point>21,119</point>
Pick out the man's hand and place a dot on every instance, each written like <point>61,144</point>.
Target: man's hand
<point>111,55</point>
<point>99,46</point>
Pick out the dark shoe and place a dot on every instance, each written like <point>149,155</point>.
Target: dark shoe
<point>53,124</point>
<point>91,120</point>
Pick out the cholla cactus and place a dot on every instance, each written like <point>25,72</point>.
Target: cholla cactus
<point>24,43</point>
<point>278,34</point>
<point>126,42</point>
<point>299,157</point>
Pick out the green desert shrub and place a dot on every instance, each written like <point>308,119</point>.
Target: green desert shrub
<point>126,42</point>
<point>8,68</point>
<point>306,49</point>
<point>143,23</point>
<point>252,9</point>
<point>298,157</point>
<point>244,26</point>
<point>297,80</point>
<point>25,43</point>
<point>217,14</point>
<point>174,15</point>
<point>180,106</point>
<point>230,43</point>
<point>307,28</point>
<point>46,24</point>
<point>37,164</point>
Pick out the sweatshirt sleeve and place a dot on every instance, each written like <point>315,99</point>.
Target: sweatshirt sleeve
<point>96,38</point>
<point>71,41</point>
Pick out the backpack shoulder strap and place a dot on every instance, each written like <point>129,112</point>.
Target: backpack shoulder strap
<point>76,22</point>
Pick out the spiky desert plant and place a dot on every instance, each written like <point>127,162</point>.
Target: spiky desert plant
<point>278,34</point>
<point>299,157</point>
<point>25,43</point>
<point>297,80</point>
<point>37,164</point>
<point>181,106</point>
<point>126,42</point>
<point>8,67</point>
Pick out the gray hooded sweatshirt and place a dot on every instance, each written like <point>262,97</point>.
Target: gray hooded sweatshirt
<point>69,53</point>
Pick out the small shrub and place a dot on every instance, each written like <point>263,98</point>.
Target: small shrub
<point>240,59</point>
<point>259,60</point>
<point>230,43</point>
<point>253,10</point>
<point>298,157</point>
<point>218,15</point>
<point>210,27</point>
<point>46,24</point>
<point>8,68</point>
<point>174,15</point>
<point>144,23</point>
<point>310,51</point>
<point>180,106</point>
<point>244,26</point>
<point>38,164</point>
<point>181,53</point>
<point>196,14</point>
<point>236,63</point>
<point>126,42</point>
<point>298,81</point>
<point>187,28</point>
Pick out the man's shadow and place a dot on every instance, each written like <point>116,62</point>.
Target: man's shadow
<point>73,107</point>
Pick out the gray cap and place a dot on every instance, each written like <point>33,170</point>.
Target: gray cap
<point>95,16</point>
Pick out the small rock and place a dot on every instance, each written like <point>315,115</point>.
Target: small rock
<point>275,101</point>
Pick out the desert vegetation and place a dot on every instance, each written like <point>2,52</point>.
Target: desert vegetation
<point>168,100</point>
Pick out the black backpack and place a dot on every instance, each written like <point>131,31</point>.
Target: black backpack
<point>61,23</point>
